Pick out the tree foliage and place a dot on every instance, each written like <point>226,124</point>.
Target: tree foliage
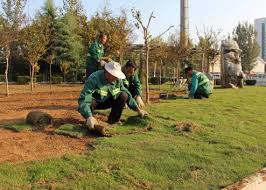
<point>245,35</point>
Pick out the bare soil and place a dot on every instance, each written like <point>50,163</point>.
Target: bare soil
<point>61,103</point>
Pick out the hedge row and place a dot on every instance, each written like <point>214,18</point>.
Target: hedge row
<point>251,82</point>
<point>26,79</point>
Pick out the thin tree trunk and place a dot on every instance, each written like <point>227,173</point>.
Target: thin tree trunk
<point>6,71</point>
<point>50,71</point>
<point>174,74</point>
<point>202,63</point>
<point>30,66</point>
<point>154,68</point>
<point>32,76</point>
<point>147,72</point>
<point>160,78</point>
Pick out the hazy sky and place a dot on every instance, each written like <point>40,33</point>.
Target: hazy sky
<point>219,14</point>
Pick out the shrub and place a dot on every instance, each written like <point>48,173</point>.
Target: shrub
<point>251,82</point>
<point>23,79</point>
<point>57,80</point>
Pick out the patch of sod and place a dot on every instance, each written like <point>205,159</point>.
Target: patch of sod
<point>19,127</point>
<point>71,130</point>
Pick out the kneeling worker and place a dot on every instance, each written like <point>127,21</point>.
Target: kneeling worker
<point>104,89</point>
<point>200,84</point>
<point>132,82</point>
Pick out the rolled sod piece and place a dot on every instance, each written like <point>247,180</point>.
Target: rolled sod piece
<point>39,120</point>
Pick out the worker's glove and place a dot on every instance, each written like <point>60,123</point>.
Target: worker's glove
<point>91,122</point>
<point>139,101</point>
<point>142,113</point>
<point>102,62</point>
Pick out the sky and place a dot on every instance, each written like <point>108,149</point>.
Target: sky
<point>221,15</point>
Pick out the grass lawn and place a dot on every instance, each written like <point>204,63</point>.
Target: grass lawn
<point>229,144</point>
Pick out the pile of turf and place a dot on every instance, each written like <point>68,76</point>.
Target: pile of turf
<point>39,120</point>
<point>19,127</point>
<point>71,130</point>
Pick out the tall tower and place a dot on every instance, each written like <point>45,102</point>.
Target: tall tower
<point>184,23</point>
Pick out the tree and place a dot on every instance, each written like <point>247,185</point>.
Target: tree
<point>75,48</point>
<point>10,23</point>
<point>35,39</point>
<point>208,45</point>
<point>147,37</point>
<point>65,68</point>
<point>51,60</point>
<point>117,28</point>
<point>245,35</point>
<point>57,45</point>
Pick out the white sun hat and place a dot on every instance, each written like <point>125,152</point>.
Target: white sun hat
<point>114,69</point>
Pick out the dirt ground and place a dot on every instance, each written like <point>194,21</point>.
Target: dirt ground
<point>27,146</point>
<point>60,103</point>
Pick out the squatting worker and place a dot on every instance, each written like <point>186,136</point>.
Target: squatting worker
<point>132,82</point>
<point>104,89</point>
<point>95,60</point>
<point>200,86</point>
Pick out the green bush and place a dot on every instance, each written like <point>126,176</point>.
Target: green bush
<point>2,78</point>
<point>57,80</point>
<point>251,82</point>
<point>23,79</point>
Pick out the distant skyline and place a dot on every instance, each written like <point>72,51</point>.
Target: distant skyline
<point>218,14</point>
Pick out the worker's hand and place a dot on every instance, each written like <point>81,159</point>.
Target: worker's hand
<point>142,113</point>
<point>102,62</point>
<point>91,122</point>
<point>139,101</point>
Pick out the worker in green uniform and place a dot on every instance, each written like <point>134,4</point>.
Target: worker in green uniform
<point>200,86</point>
<point>95,58</point>
<point>132,82</point>
<point>104,89</point>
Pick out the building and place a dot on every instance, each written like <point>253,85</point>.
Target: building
<point>260,27</point>
<point>259,67</point>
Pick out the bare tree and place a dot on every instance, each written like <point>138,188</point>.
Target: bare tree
<point>147,37</point>
<point>10,22</point>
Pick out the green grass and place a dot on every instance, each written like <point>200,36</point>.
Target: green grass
<point>19,127</point>
<point>72,130</point>
<point>229,144</point>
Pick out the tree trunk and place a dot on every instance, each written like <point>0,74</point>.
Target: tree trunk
<point>50,71</point>
<point>154,68</point>
<point>160,77</point>
<point>208,65</point>
<point>147,72</point>
<point>178,70</point>
<point>202,63</point>
<point>174,74</point>
<point>32,77</point>
<point>6,71</point>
